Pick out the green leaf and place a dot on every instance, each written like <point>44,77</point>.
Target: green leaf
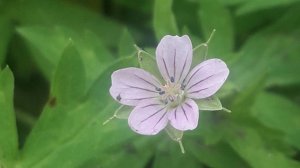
<point>217,156</point>
<point>171,157</point>
<point>126,44</point>
<point>98,93</point>
<point>47,53</point>
<point>251,147</point>
<point>8,130</point>
<point>163,20</point>
<point>148,63</point>
<point>212,126</point>
<point>5,34</point>
<point>137,148</point>
<point>71,135</point>
<point>210,104</point>
<point>278,113</point>
<point>123,112</point>
<point>70,15</point>
<point>66,87</point>
<point>199,54</point>
<point>213,15</point>
<point>256,5</point>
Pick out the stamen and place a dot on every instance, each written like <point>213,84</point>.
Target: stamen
<point>182,87</point>
<point>166,101</point>
<point>162,92</point>
<point>158,89</point>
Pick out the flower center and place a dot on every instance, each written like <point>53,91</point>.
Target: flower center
<point>172,94</point>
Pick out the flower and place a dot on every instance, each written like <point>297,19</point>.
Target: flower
<point>157,103</point>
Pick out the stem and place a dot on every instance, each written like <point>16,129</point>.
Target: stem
<point>181,147</point>
<point>226,110</point>
<point>210,37</point>
<point>108,120</point>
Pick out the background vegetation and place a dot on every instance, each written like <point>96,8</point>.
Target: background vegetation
<point>57,57</point>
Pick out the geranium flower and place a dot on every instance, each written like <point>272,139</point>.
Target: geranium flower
<point>158,103</point>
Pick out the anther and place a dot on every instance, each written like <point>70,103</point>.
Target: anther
<point>158,89</point>
<point>162,92</point>
<point>182,87</point>
<point>172,79</point>
<point>166,101</point>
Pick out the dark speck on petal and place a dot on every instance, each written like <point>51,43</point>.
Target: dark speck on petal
<point>118,97</point>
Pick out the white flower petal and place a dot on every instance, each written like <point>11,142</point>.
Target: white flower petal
<point>174,57</point>
<point>148,118</point>
<point>132,85</point>
<point>185,116</point>
<point>206,78</point>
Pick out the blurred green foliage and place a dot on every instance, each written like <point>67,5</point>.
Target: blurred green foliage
<point>56,59</point>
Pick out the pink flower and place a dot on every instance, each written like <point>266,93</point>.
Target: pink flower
<point>158,103</point>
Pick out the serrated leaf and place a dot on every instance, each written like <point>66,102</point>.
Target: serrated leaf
<point>163,20</point>
<point>8,129</point>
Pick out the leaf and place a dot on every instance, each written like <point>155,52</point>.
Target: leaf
<point>213,15</point>
<point>5,34</point>
<point>47,53</point>
<point>163,20</point>
<point>66,88</point>
<point>137,148</point>
<point>8,128</point>
<point>217,156</point>
<point>123,112</point>
<point>211,103</point>
<point>256,151</point>
<point>148,63</point>
<point>126,44</point>
<point>255,5</point>
<point>199,54</point>
<point>171,157</point>
<point>278,113</point>
<point>69,15</point>
<point>212,126</point>
<point>71,135</point>
<point>96,91</point>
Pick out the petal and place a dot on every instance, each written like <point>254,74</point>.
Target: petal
<point>131,85</point>
<point>148,118</point>
<point>185,116</point>
<point>206,78</point>
<point>174,57</point>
